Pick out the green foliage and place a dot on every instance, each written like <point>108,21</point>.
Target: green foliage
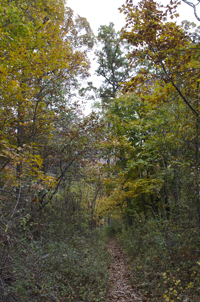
<point>63,174</point>
<point>56,258</point>
<point>112,61</point>
<point>163,259</point>
<point>147,172</point>
<point>113,228</point>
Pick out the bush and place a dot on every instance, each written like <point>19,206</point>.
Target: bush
<point>52,259</point>
<point>164,260</point>
<point>113,229</point>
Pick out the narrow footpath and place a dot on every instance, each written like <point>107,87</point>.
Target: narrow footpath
<point>120,287</point>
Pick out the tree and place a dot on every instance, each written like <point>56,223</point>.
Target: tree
<point>43,53</point>
<point>165,45</point>
<point>157,165</point>
<point>173,57</point>
<point>113,64</point>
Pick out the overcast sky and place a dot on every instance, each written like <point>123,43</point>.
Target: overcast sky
<point>105,11</point>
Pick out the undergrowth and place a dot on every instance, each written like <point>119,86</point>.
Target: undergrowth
<point>52,259</point>
<point>164,260</point>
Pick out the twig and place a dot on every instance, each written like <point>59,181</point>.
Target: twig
<point>17,200</point>
<point>8,192</point>
<point>2,284</point>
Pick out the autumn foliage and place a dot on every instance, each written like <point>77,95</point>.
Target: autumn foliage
<point>134,162</point>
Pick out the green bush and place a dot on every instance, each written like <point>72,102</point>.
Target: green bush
<point>113,229</point>
<point>54,259</point>
<point>164,259</point>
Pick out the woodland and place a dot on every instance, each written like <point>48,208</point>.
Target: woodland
<point>126,172</point>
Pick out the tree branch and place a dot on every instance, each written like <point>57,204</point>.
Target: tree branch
<point>194,6</point>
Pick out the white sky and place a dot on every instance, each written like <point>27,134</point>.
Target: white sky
<point>105,11</point>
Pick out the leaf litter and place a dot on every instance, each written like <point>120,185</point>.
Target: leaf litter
<point>120,286</point>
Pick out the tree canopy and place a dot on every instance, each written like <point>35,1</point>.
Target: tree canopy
<point>134,164</point>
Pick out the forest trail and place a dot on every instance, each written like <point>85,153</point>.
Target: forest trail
<point>120,287</point>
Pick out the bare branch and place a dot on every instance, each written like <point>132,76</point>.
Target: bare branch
<point>194,6</point>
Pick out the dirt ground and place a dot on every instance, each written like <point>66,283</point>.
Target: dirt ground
<point>120,287</point>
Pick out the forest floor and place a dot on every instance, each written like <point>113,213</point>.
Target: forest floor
<point>120,286</point>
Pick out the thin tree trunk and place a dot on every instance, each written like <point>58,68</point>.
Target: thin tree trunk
<point>197,159</point>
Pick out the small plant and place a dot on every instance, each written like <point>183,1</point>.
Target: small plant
<point>163,260</point>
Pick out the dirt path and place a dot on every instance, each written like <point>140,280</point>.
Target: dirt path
<point>120,288</point>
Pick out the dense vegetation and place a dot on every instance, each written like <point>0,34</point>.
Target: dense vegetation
<point>132,163</point>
